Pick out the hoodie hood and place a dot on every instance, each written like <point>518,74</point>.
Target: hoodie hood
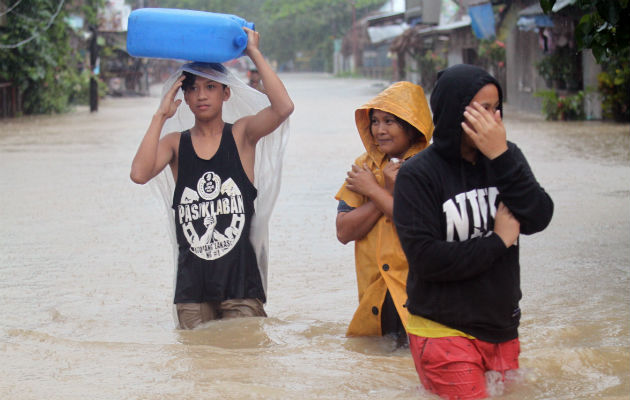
<point>405,100</point>
<point>454,89</point>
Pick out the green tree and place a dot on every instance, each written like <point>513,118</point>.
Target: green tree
<point>36,55</point>
<point>309,26</point>
<point>605,29</point>
<point>248,9</point>
<point>290,27</point>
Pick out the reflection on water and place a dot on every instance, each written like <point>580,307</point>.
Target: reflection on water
<point>87,288</point>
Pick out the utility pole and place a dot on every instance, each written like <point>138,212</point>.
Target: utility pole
<point>94,69</point>
<point>355,55</point>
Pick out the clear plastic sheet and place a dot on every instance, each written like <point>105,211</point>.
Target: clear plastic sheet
<point>243,101</point>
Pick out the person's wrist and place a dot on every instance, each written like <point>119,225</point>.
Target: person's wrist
<point>497,153</point>
<point>389,187</point>
<point>160,116</point>
<point>503,239</point>
<point>375,190</point>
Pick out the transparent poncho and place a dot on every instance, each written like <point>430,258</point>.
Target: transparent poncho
<point>243,101</point>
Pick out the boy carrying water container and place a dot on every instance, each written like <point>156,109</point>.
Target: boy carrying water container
<point>220,173</point>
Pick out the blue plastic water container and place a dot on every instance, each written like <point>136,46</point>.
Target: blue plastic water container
<point>186,35</point>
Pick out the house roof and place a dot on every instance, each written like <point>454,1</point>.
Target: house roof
<point>533,18</point>
<point>383,18</point>
<point>381,33</point>
<point>464,22</point>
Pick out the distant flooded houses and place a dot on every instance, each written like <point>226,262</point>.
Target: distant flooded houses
<point>534,55</point>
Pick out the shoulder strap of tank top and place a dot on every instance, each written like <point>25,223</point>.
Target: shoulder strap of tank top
<point>185,137</point>
<point>228,137</point>
<point>185,148</point>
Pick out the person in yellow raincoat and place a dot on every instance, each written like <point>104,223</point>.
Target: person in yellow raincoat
<point>393,126</point>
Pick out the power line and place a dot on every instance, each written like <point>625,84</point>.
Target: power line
<point>10,8</point>
<point>36,34</point>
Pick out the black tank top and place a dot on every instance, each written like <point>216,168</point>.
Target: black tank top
<point>214,206</point>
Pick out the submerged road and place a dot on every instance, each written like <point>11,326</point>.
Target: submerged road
<point>87,269</point>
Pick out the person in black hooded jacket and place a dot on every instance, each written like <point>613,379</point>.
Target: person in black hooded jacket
<point>459,207</point>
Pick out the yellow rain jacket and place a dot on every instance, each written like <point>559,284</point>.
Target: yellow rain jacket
<point>379,259</point>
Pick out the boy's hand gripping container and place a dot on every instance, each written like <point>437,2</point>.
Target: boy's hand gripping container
<point>186,35</point>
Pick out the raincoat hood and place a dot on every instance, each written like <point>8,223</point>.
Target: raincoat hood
<point>380,263</point>
<point>406,101</point>
<point>454,89</point>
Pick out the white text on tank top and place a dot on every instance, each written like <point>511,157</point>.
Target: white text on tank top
<point>210,200</point>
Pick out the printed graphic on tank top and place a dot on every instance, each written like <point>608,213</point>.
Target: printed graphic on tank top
<point>211,199</point>
<point>214,204</point>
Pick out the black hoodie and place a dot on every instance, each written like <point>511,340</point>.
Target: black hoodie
<point>460,272</point>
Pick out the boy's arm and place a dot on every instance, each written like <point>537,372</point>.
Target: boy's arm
<point>154,154</point>
<point>268,119</point>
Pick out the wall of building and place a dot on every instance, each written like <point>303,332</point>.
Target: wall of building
<point>522,54</point>
<point>460,40</point>
<point>592,99</point>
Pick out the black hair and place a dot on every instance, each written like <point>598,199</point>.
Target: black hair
<point>415,136</point>
<point>189,79</point>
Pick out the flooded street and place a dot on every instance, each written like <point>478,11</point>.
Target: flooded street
<point>87,273</point>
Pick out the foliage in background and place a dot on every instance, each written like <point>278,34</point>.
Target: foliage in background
<point>429,64</point>
<point>560,69</point>
<point>491,53</point>
<point>247,9</point>
<point>605,29</point>
<point>312,25</point>
<point>491,57</point>
<point>289,27</point>
<point>49,70</point>
<point>79,88</point>
<point>614,86</point>
<point>37,56</point>
<point>562,107</point>
<point>37,67</point>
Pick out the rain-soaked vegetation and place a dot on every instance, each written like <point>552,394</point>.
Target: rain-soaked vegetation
<point>53,53</point>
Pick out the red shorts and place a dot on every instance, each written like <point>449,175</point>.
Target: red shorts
<point>454,367</point>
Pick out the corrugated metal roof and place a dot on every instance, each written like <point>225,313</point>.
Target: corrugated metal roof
<point>464,22</point>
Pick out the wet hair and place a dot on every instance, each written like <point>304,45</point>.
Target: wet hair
<point>415,136</point>
<point>189,79</point>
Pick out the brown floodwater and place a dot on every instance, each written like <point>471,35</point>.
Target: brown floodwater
<point>86,287</point>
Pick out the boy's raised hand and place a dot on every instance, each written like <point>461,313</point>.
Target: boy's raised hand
<point>253,38</point>
<point>169,105</point>
<point>485,129</point>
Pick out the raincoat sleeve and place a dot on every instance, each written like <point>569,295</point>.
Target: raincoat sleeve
<point>520,191</point>
<point>351,198</point>
<point>417,216</point>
